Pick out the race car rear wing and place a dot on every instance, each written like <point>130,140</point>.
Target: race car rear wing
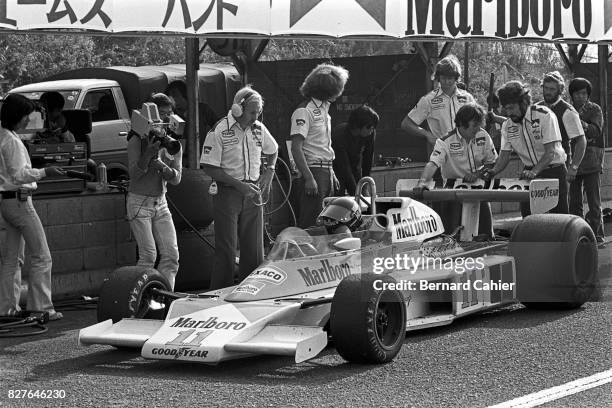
<point>542,195</point>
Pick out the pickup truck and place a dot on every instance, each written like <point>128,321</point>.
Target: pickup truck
<point>111,93</point>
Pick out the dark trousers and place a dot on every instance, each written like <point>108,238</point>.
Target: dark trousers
<point>311,206</point>
<point>559,173</point>
<point>237,218</point>
<point>591,185</point>
<point>451,217</point>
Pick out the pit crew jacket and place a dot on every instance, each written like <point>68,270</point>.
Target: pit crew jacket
<point>439,110</point>
<point>456,157</point>
<point>528,137</point>
<point>237,151</point>
<point>311,120</point>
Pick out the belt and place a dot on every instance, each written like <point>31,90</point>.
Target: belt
<point>13,194</point>
<point>322,163</point>
<point>549,167</point>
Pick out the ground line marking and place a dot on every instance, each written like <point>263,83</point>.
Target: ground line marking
<point>560,391</point>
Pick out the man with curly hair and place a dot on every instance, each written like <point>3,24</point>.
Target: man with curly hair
<point>532,131</point>
<point>311,146</point>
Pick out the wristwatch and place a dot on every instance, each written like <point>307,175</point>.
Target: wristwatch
<point>574,166</point>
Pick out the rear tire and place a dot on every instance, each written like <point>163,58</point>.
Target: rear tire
<point>127,294</point>
<point>556,261</point>
<point>368,325</point>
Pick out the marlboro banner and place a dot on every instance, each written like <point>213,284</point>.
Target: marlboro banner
<point>538,20</point>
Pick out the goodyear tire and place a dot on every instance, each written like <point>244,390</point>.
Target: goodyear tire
<point>127,293</point>
<point>367,325</point>
<point>556,261</point>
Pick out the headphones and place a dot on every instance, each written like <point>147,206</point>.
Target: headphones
<point>238,108</point>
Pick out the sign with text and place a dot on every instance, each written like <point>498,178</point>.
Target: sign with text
<point>578,20</point>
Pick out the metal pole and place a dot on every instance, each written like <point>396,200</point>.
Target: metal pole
<point>192,51</point>
<point>466,63</point>
<point>603,88</point>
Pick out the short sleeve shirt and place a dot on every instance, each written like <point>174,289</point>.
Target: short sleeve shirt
<point>456,157</point>
<point>527,138</point>
<point>439,110</point>
<point>311,120</point>
<point>237,151</point>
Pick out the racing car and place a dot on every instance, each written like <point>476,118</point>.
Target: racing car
<point>358,289</point>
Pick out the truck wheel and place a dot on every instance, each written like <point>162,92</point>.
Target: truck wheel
<point>127,293</point>
<point>368,325</point>
<point>556,261</point>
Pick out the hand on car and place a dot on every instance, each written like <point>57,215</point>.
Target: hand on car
<point>470,177</point>
<point>417,192</point>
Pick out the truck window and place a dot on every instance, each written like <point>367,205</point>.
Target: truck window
<point>101,104</point>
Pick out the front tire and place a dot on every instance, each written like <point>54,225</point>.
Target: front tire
<point>368,325</point>
<point>556,261</point>
<point>127,293</point>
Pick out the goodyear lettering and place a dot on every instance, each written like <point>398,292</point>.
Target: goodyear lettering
<point>413,225</point>
<point>546,192</point>
<point>180,352</point>
<point>211,323</point>
<point>133,302</point>
<point>327,273</point>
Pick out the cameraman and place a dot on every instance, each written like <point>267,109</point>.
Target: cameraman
<point>17,181</point>
<point>151,167</point>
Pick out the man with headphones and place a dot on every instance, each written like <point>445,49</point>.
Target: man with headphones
<point>231,155</point>
<point>532,131</point>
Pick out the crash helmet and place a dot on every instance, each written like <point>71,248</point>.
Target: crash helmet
<point>340,211</point>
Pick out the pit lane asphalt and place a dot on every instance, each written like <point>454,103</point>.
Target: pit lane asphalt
<point>477,361</point>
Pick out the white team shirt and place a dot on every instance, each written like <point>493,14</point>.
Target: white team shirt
<point>311,120</point>
<point>439,110</point>
<point>456,157</point>
<point>527,138</point>
<point>237,151</point>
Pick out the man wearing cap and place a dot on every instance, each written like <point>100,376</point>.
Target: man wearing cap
<point>463,153</point>
<point>532,131</point>
<point>572,133</point>
<point>231,155</point>
<point>439,107</point>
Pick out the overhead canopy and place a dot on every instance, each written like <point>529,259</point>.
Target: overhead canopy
<point>539,20</point>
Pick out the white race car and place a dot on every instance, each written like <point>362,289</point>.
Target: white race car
<point>398,272</point>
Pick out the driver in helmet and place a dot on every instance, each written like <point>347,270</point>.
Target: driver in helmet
<point>341,216</point>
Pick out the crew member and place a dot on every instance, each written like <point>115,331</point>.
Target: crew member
<point>232,157</point>
<point>591,165</point>
<point>532,131</point>
<point>353,144</point>
<point>311,145</point>
<point>463,153</point>
<point>151,167</point>
<point>572,133</point>
<point>439,106</point>
<point>17,181</point>
<point>57,131</point>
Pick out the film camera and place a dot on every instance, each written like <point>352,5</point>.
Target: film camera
<point>147,124</point>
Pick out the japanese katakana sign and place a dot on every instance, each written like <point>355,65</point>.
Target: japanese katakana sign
<point>555,20</point>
